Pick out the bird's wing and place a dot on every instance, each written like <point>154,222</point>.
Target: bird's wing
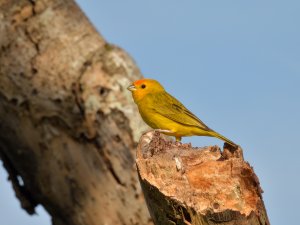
<point>168,106</point>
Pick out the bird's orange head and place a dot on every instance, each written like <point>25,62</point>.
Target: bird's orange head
<point>141,88</point>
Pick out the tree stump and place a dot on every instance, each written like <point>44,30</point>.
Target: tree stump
<point>198,186</point>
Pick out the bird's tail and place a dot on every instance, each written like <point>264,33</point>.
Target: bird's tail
<point>217,135</point>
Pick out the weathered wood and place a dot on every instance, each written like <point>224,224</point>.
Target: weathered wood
<point>198,186</point>
<point>66,126</point>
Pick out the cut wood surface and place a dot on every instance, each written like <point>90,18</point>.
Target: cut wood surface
<point>199,186</point>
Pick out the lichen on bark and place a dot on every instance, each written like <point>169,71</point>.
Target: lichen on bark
<point>66,124</point>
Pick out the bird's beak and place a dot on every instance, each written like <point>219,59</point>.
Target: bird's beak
<point>131,88</point>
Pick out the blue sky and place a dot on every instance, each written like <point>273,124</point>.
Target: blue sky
<point>235,64</point>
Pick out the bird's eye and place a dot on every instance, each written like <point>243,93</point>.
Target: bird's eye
<point>143,86</point>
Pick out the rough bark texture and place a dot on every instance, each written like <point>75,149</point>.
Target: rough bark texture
<point>199,186</point>
<point>67,137</point>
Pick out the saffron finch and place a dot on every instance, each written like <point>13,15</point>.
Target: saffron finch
<point>163,112</point>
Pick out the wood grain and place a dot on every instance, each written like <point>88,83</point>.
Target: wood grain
<point>199,186</point>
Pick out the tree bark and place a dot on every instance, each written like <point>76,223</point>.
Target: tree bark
<point>198,186</point>
<point>67,137</point>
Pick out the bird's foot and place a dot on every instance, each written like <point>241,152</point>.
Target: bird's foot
<point>178,139</point>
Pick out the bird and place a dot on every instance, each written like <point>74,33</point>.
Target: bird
<point>164,113</point>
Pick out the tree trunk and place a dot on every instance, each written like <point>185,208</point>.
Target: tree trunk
<point>198,186</point>
<point>67,133</point>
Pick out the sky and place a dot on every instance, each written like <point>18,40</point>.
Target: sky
<point>235,64</point>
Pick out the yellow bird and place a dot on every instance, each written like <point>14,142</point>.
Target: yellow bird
<point>163,112</point>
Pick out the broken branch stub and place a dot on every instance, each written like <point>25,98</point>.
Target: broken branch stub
<point>199,186</point>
